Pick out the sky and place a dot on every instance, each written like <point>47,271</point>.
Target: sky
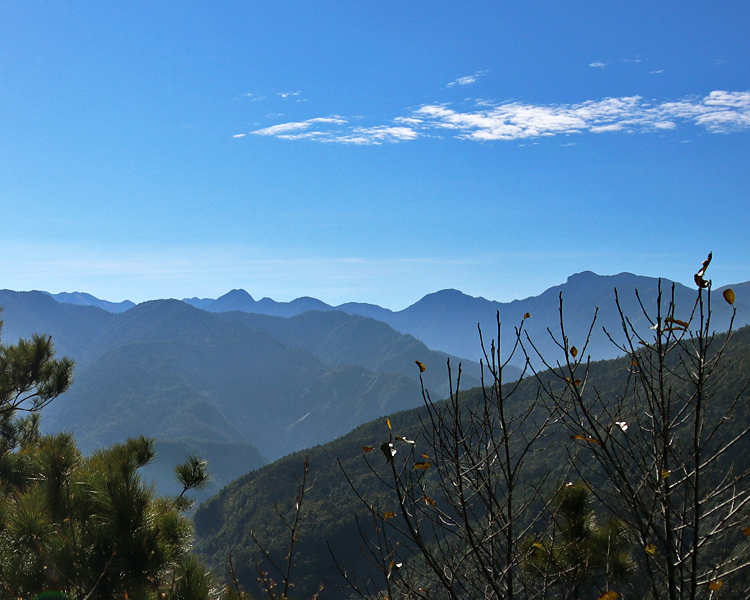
<point>370,151</point>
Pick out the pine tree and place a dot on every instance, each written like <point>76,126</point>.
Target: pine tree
<point>86,527</point>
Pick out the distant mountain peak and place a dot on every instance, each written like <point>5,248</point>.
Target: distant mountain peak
<point>582,276</point>
<point>85,299</point>
<point>237,294</point>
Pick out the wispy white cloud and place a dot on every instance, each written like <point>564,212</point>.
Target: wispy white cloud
<point>288,94</point>
<point>253,97</point>
<point>657,72</point>
<point>376,135</point>
<point>285,130</point>
<point>328,129</point>
<point>598,65</point>
<point>468,79</point>
<point>719,112</point>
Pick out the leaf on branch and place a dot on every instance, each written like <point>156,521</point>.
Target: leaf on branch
<point>746,531</point>
<point>610,595</point>
<point>650,549</point>
<point>428,500</point>
<point>715,585</point>
<point>388,422</point>
<point>389,515</point>
<point>573,351</point>
<point>538,545</point>
<point>367,449</point>
<point>665,473</point>
<point>421,465</point>
<point>728,295</point>
<point>584,438</point>
<point>389,451</point>
<point>684,324</point>
<point>401,438</point>
<point>699,280</point>
<point>527,316</point>
<point>421,366</point>
<point>634,362</point>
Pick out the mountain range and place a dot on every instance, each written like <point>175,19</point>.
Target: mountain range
<point>448,320</point>
<point>239,389</point>
<point>241,381</point>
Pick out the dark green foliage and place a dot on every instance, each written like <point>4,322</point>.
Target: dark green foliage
<point>90,528</point>
<point>84,528</point>
<point>580,558</point>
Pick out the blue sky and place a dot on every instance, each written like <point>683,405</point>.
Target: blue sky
<point>371,152</point>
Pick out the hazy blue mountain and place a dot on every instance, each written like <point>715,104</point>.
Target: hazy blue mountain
<point>198,302</point>
<point>447,320</point>
<point>84,299</point>
<point>242,301</point>
<point>72,327</point>
<point>244,387</point>
<point>162,361</point>
<point>340,339</point>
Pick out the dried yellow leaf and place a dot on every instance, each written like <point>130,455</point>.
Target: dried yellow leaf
<point>367,449</point>
<point>428,500</point>
<point>421,465</point>
<point>527,316</point>
<point>538,545</point>
<point>573,351</point>
<point>664,473</point>
<point>650,549</point>
<point>389,515</point>
<point>610,595</point>
<point>746,531</point>
<point>584,438</point>
<point>715,585</point>
<point>677,322</point>
<point>420,365</point>
<point>388,422</point>
<point>729,295</point>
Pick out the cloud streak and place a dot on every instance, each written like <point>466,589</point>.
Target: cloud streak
<point>467,80</point>
<point>719,112</point>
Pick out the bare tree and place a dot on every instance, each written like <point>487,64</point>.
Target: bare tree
<point>462,503</point>
<point>662,454</point>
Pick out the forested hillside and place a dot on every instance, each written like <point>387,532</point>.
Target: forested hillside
<point>360,462</point>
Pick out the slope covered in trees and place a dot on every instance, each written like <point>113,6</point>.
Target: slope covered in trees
<point>391,499</point>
